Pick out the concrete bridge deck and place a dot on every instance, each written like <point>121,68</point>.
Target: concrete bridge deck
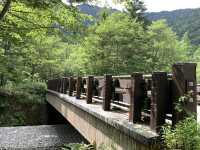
<point>45,137</point>
<point>103,127</point>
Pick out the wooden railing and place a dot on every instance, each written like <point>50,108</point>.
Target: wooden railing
<point>148,98</point>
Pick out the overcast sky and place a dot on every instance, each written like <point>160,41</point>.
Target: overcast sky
<point>153,5</point>
<point>159,5</point>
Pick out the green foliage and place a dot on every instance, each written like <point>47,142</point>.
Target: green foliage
<point>185,135</point>
<point>164,48</point>
<point>77,146</point>
<point>183,100</point>
<point>31,92</point>
<point>19,118</point>
<point>106,147</point>
<point>111,47</point>
<point>26,92</point>
<point>40,40</point>
<point>42,43</point>
<point>18,102</point>
<point>34,40</point>
<point>119,45</point>
<point>136,9</point>
<point>197,60</point>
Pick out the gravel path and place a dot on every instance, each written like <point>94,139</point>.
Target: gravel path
<point>38,137</point>
<point>44,137</point>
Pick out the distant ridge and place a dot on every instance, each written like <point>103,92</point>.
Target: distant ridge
<point>181,21</point>
<point>92,10</point>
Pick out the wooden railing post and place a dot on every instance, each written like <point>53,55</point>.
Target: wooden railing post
<point>158,100</point>
<point>184,85</point>
<point>71,86</point>
<point>78,87</point>
<point>137,95</point>
<point>107,93</point>
<point>90,82</point>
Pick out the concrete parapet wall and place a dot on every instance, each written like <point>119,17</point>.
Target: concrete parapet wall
<point>103,128</point>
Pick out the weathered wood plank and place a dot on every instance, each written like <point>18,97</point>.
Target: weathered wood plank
<point>107,94</point>
<point>90,82</point>
<point>78,87</point>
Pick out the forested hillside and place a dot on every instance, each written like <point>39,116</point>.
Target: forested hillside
<point>181,21</point>
<point>185,20</point>
<point>40,42</point>
<point>47,39</point>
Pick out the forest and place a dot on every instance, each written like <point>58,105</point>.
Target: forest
<point>48,39</point>
<point>41,40</point>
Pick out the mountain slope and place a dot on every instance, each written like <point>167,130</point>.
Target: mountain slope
<point>181,21</point>
<point>185,20</point>
<point>93,10</point>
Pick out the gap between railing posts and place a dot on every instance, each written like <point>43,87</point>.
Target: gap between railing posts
<point>136,97</point>
<point>158,100</point>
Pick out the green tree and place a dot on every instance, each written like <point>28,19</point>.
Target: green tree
<point>117,45</point>
<point>136,9</point>
<point>29,33</point>
<point>164,47</point>
<point>186,48</point>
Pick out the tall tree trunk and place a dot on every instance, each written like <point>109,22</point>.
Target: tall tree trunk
<point>5,9</point>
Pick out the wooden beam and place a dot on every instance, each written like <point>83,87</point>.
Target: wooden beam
<point>107,93</point>
<point>78,87</point>
<point>90,82</point>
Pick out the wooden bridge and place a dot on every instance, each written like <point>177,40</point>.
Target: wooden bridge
<point>126,112</point>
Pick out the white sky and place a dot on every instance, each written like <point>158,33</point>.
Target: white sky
<point>153,5</point>
<point>158,5</point>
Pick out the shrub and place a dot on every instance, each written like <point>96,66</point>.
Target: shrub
<point>33,92</point>
<point>78,146</point>
<point>184,136</point>
<point>19,101</point>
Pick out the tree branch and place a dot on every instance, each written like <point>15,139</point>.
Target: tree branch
<point>5,9</point>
